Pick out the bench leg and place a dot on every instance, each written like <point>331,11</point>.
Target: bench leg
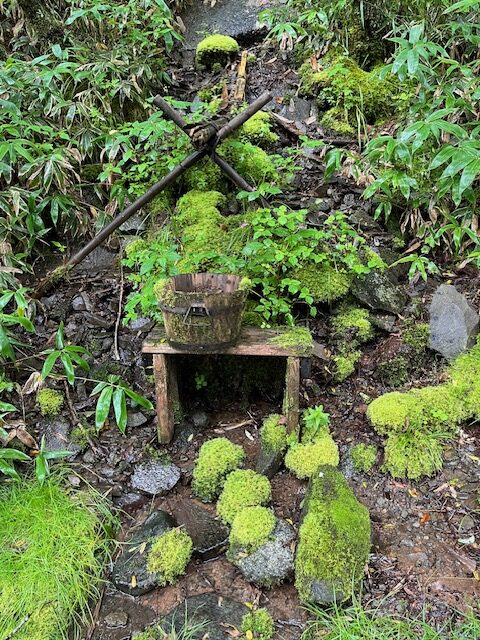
<point>292,393</point>
<point>166,392</point>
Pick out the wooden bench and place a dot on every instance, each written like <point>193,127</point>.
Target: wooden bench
<point>252,342</point>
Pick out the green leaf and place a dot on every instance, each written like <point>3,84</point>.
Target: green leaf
<point>103,407</point>
<point>55,455</point>
<point>49,364</point>
<point>41,468</point>
<point>6,349</point>
<point>469,174</point>
<point>13,454</point>
<point>68,366</point>
<point>120,408</point>
<point>138,399</point>
<point>8,470</point>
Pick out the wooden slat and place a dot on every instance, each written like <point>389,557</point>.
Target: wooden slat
<point>164,398</point>
<point>252,342</point>
<point>292,394</point>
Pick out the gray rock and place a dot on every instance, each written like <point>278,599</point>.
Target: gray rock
<point>272,563</point>
<point>200,419</point>
<point>56,431</point>
<point>136,419</point>
<point>454,323</point>
<point>365,222</point>
<point>141,324</point>
<point>133,561</point>
<point>100,259</point>
<point>81,302</point>
<point>217,614</point>
<point>208,533</point>
<point>116,620</point>
<point>269,462</point>
<point>131,502</point>
<point>383,321</point>
<point>380,290</point>
<point>134,224</point>
<point>154,477</point>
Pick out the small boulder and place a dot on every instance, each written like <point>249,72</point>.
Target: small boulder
<point>155,478</point>
<point>334,540</point>
<point>379,290</point>
<point>269,462</point>
<point>454,323</point>
<point>270,564</point>
<point>208,533</point>
<point>130,573</point>
<point>57,431</point>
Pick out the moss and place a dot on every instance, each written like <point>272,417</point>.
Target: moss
<point>334,119</point>
<point>298,339</point>
<point>304,459</point>
<point>413,454</point>
<point>242,488</point>
<point>251,528</point>
<point>82,433</point>
<point>273,434</point>
<point>50,401</point>
<point>334,539</point>
<point>169,556</point>
<point>395,371</point>
<point>258,130</point>
<point>345,364</point>
<point>195,206</point>
<point>324,282</point>
<point>341,84</point>
<point>216,459</point>
<point>251,318</point>
<point>353,323</point>
<point>417,336</point>
<point>215,49</point>
<point>252,163</point>
<point>363,456</point>
<point>258,625</point>
<point>205,176</point>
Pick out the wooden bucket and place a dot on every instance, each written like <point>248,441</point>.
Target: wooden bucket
<point>202,311</point>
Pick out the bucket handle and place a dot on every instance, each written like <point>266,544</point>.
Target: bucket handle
<point>196,309</point>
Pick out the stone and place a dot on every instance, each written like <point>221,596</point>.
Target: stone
<point>272,563</point>
<point>56,431</point>
<point>384,321</point>
<point>155,478</point>
<point>454,323</point>
<point>136,419</point>
<point>208,533</point>
<point>360,218</point>
<point>81,302</point>
<point>100,259</point>
<point>141,324</point>
<point>269,462</point>
<point>134,224</point>
<point>218,614</point>
<point>200,419</point>
<point>380,290</point>
<point>131,502</point>
<point>130,573</point>
<point>116,620</point>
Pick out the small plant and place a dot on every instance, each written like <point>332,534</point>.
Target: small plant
<point>169,556</point>
<point>50,401</point>
<point>242,488</point>
<point>258,625</point>
<point>42,459</point>
<point>363,456</point>
<point>115,392</point>
<point>67,354</point>
<point>7,458</point>
<point>316,423</point>
<point>216,459</point>
<point>252,527</point>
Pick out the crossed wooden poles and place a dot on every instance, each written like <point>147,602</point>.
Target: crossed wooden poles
<point>206,138</point>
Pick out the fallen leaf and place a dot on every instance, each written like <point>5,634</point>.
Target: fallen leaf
<point>133,582</point>
<point>424,518</point>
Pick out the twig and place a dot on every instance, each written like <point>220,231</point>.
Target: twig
<point>119,313</point>
<point>71,408</point>
<point>22,623</point>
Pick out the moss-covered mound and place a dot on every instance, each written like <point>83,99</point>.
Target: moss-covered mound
<point>50,401</point>
<point>351,327</point>
<point>258,625</point>
<point>363,456</point>
<point>273,434</point>
<point>324,282</point>
<point>243,488</point>
<point>258,130</point>
<point>251,528</point>
<point>215,49</point>
<point>216,459</point>
<point>346,92</point>
<point>52,549</point>
<point>170,555</point>
<point>417,422</point>
<point>334,540</point>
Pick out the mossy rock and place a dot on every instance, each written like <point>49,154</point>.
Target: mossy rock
<point>258,130</point>
<point>217,458</point>
<point>324,282</point>
<point>334,540</point>
<point>215,49</point>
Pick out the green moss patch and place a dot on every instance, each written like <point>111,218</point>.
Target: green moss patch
<point>216,459</point>
<point>273,434</point>
<point>363,456</point>
<point>215,49</point>
<point>258,130</point>
<point>170,555</point>
<point>243,488</point>
<point>251,528</point>
<point>324,282</point>
<point>50,401</point>
<point>258,625</point>
<point>334,540</point>
<point>298,339</point>
<point>351,327</point>
<point>52,547</point>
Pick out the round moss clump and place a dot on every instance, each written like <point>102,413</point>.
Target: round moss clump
<point>324,282</point>
<point>273,434</point>
<point>413,455</point>
<point>216,459</point>
<point>243,488</point>
<point>258,130</point>
<point>363,456</point>
<point>251,528</point>
<point>304,459</point>
<point>50,401</point>
<point>258,625</point>
<point>169,556</point>
<point>216,49</point>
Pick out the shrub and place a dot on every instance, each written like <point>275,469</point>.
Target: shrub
<point>334,539</point>
<point>273,434</point>
<point>216,459</point>
<point>215,49</point>
<point>169,556</point>
<point>363,456</point>
<point>242,488</point>
<point>252,527</point>
<point>50,401</point>
<point>258,625</point>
